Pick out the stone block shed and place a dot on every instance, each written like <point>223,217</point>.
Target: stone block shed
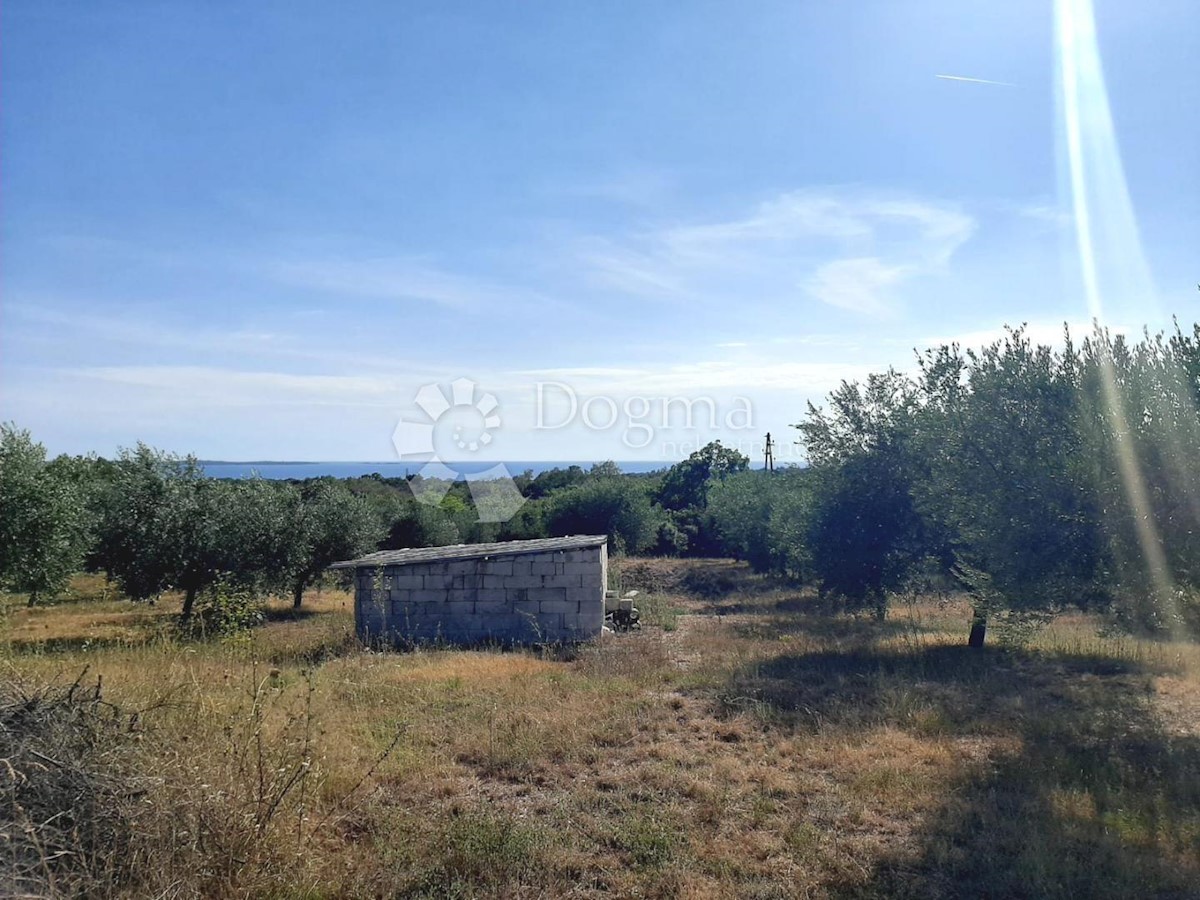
<point>546,590</point>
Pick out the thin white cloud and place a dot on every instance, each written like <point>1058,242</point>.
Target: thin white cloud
<point>144,336</point>
<point>632,187</point>
<point>1044,212</point>
<point>797,214</point>
<point>231,387</point>
<point>795,253</point>
<point>859,285</point>
<point>696,379</point>
<point>975,80</point>
<point>401,279</point>
<point>629,270</point>
<point>847,249</point>
<point>134,331</point>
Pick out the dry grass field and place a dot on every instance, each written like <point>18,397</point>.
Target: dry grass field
<point>744,744</point>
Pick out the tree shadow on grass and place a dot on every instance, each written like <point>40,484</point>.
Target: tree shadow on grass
<point>288,614</point>
<point>773,624</point>
<point>74,644</point>
<point>743,604</point>
<point>866,685</point>
<point>142,631</point>
<point>1088,796</point>
<point>804,613</point>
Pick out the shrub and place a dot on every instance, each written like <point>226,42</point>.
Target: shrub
<point>225,610</point>
<point>763,518</point>
<point>618,507</point>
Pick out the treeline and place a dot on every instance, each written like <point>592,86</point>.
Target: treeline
<point>152,521</point>
<point>656,513</point>
<point>1030,477</point>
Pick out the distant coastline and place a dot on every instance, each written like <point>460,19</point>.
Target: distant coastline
<point>284,462</point>
<point>300,469</point>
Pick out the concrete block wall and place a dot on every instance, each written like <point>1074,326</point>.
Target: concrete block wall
<point>548,596</point>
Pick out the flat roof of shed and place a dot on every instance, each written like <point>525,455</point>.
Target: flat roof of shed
<point>471,551</point>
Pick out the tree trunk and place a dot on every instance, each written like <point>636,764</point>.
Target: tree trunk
<point>978,629</point>
<point>33,597</point>
<point>880,607</point>
<point>189,600</point>
<point>297,594</point>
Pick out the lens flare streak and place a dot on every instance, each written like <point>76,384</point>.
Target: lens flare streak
<point>1109,246</point>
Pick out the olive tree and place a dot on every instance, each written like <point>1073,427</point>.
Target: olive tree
<point>42,521</point>
<point>686,483</point>
<point>165,525</point>
<point>618,507</point>
<point>324,523</point>
<point>764,518</point>
<point>1008,476</point>
<point>866,533</point>
<point>1141,425</point>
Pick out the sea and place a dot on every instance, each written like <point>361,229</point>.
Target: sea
<point>300,470</point>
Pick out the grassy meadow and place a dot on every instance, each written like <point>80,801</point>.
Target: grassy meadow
<point>745,744</point>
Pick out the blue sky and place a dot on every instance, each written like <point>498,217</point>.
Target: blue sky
<point>256,230</point>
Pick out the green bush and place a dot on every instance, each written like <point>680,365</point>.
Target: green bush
<point>763,518</point>
<point>618,507</point>
<point>225,610</point>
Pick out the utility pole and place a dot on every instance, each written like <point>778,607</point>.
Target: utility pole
<point>769,460</point>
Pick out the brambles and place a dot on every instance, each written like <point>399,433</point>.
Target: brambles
<point>71,794</point>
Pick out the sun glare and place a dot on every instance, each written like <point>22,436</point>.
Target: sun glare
<point>1111,260</point>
